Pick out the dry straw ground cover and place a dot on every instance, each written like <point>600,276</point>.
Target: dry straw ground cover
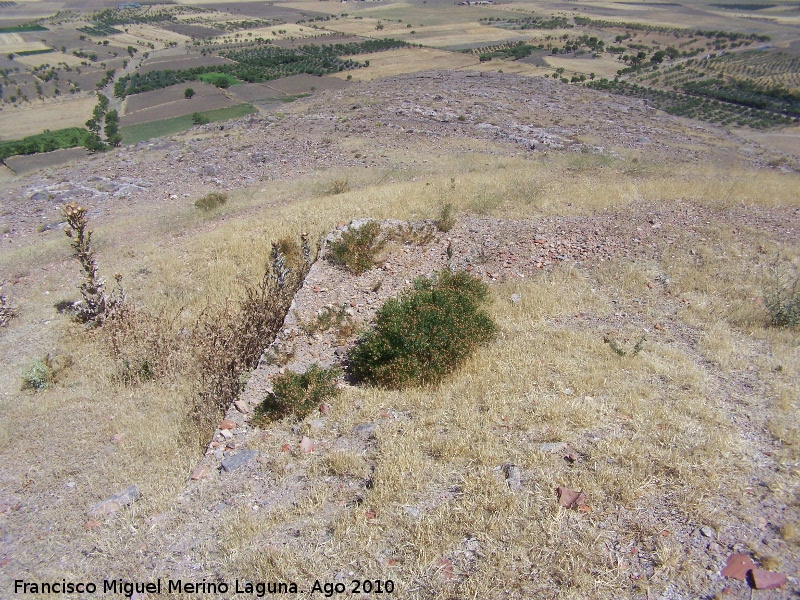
<point>698,429</point>
<point>16,123</point>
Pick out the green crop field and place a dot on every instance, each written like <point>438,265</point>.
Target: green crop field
<point>221,80</point>
<point>144,131</point>
<point>23,29</point>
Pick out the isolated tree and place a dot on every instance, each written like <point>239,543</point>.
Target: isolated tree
<point>188,93</point>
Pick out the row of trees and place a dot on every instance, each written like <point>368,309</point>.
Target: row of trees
<point>694,106</point>
<point>45,142</point>
<point>261,64</point>
<point>101,115</point>
<point>709,34</point>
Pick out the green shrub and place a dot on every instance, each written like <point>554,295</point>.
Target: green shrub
<point>782,295</point>
<point>426,334</point>
<point>297,394</point>
<point>358,248</point>
<point>447,218</point>
<point>44,372</point>
<point>199,119</point>
<point>211,201</point>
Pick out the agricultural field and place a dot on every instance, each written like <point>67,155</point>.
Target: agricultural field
<point>15,43</point>
<point>182,63</point>
<point>260,95</point>
<point>132,134</point>
<point>52,59</point>
<point>243,41</point>
<point>408,60</point>
<point>149,34</point>
<point>33,162</point>
<point>170,102</point>
<point>16,123</point>
<point>274,32</point>
<point>175,93</point>
<point>601,67</point>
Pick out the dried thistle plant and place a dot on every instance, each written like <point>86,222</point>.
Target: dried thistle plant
<point>96,304</point>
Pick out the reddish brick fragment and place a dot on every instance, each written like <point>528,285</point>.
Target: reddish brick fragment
<point>737,567</point>
<point>767,580</point>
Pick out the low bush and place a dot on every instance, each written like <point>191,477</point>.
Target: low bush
<point>298,394</point>
<point>426,334</point>
<point>782,294</point>
<point>447,218</point>
<point>211,201</point>
<point>339,186</point>
<point>7,312</point>
<point>358,249</point>
<point>411,234</point>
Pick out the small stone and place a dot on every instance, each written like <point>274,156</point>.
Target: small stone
<point>307,445</point>
<point>515,298</point>
<point>707,532</point>
<point>219,453</point>
<point>553,446</point>
<point>411,511</point>
<point>226,433</point>
<point>226,424</point>
<point>317,424</point>
<point>513,476</point>
<point>242,407</point>
<point>200,472</point>
<point>112,504</point>
<point>237,460</point>
<point>365,429</point>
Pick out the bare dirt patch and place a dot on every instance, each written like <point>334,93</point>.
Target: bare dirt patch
<point>255,92</point>
<point>786,140</point>
<point>177,64</point>
<point>33,162</point>
<point>305,84</point>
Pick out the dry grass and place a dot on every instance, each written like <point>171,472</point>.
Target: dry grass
<point>655,443</point>
<point>16,123</point>
<point>644,449</point>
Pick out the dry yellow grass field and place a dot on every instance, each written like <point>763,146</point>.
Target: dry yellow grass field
<point>290,30</point>
<point>148,33</point>
<point>52,59</point>
<point>408,60</point>
<point>14,42</point>
<point>19,122</point>
<point>603,67</point>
